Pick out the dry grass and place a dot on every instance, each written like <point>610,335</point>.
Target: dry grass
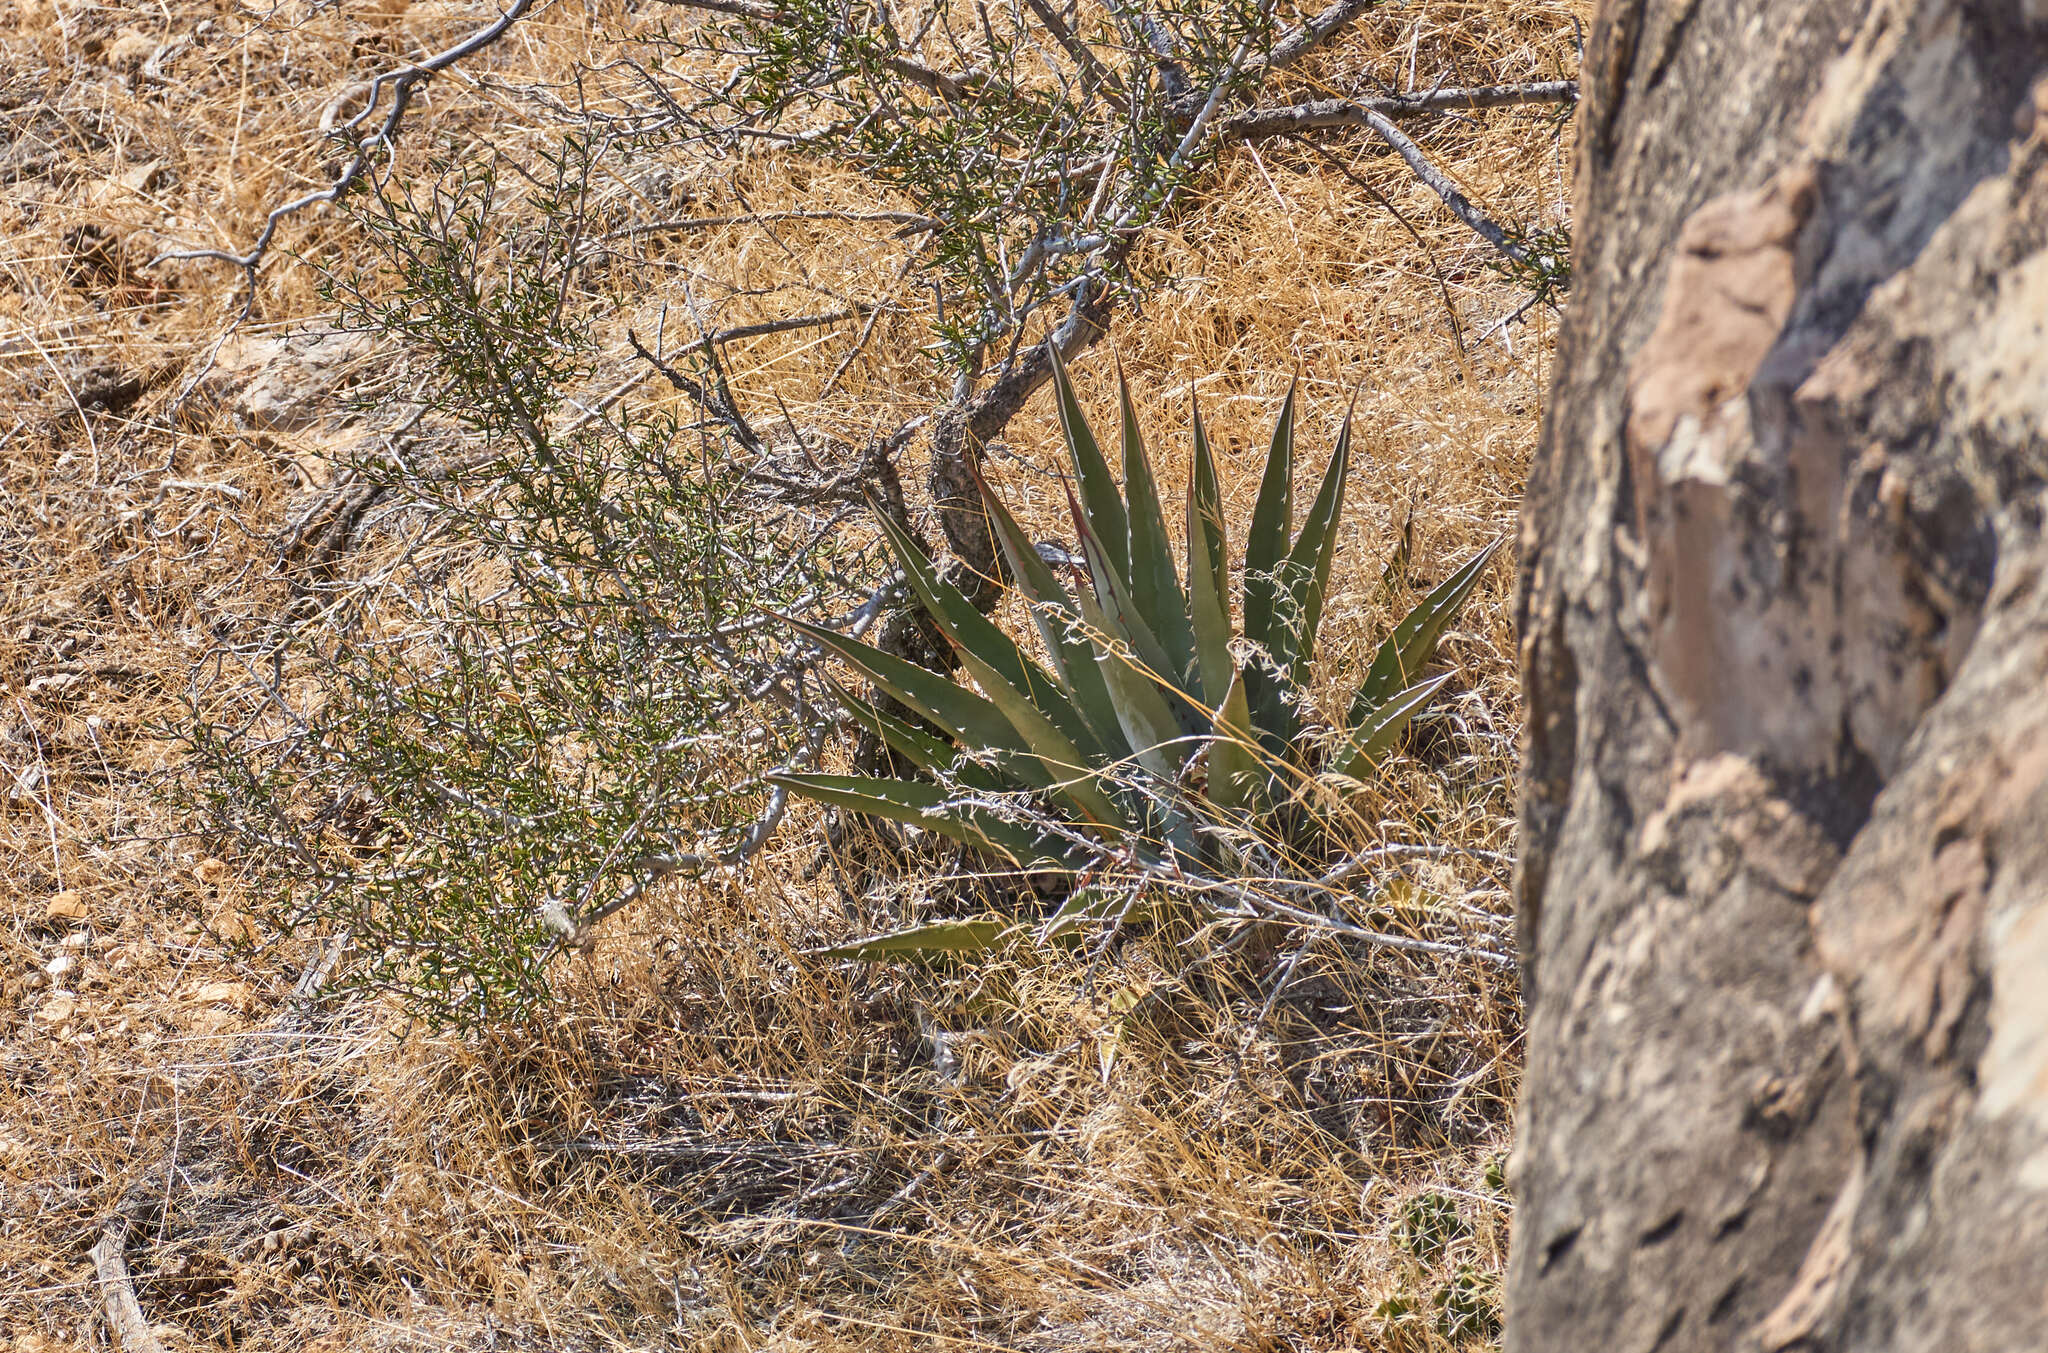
<point>720,1143</point>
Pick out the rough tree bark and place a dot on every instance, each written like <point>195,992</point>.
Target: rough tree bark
<point>1785,638</point>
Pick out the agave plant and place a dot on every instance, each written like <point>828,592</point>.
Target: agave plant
<point>1153,728</point>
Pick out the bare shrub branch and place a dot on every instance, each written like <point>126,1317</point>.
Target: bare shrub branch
<point>402,84</point>
<point>1259,123</point>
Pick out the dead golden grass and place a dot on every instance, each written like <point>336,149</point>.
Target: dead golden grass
<point>719,1143</point>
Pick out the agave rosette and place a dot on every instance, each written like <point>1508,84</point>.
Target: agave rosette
<point>1153,725</point>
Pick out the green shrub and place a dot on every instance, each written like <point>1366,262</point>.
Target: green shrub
<point>550,684</point>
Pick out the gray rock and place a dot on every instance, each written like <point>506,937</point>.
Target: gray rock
<point>297,379</point>
<point>1784,896</point>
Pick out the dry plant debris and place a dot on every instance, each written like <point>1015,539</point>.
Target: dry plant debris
<point>719,1141</point>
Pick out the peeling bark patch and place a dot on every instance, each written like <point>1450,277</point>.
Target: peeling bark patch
<point>1610,51</point>
<point>1671,1327</point>
<point>1722,816</point>
<point>1787,647</point>
<point>1689,441</point>
<point>1550,747</point>
<point>2012,1073</point>
<point>1960,877</point>
<point>1905,930</point>
<point>1779,1105</point>
<point>1730,291</point>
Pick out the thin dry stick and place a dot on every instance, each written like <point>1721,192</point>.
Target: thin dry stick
<point>1505,320</point>
<point>1429,254</point>
<point>1280,985</point>
<point>84,420</point>
<point>1459,204</point>
<point>653,869</point>
<point>1258,123</point>
<point>124,1313</point>
<point>902,218</point>
<point>962,88</point>
<point>1298,43</point>
<point>1096,77</point>
<point>738,9</point>
<point>22,784</point>
<point>773,326</point>
<point>867,331</point>
<point>402,83</point>
<point>125,1319</point>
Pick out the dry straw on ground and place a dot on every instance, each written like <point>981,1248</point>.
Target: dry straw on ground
<point>720,1142</point>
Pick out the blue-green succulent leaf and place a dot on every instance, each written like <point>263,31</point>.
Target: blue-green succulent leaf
<point>970,935</point>
<point>1154,585</point>
<point>1208,573</point>
<point>1098,489</point>
<point>967,718</point>
<point>1382,728</point>
<point>930,806</point>
<point>977,638</point>
<point>1412,645</point>
<point>1067,641</point>
<point>1272,525</point>
<point>1307,569</point>
<point>1237,775</point>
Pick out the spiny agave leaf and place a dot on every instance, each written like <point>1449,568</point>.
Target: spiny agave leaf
<point>1150,727</point>
<point>1098,490</point>
<point>1113,596</point>
<point>1153,584</point>
<point>1082,906</point>
<point>992,655</point>
<point>1148,722</point>
<point>918,747</point>
<point>967,718</point>
<point>973,935</point>
<point>1307,570</point>
<point>929,806</point>
<point>1382,728</point>
<point>1265,550</point>
<point>1029,747</point>
<point>1208,573</point>
<point>1272,524</point>
<point>1058,620</point>
<point>1409,649</point>
<point>1066,770</point>
<point>1275,709</point>
<point>1157,719</point>
<point>1236,777</point>
<point>1095,904</point>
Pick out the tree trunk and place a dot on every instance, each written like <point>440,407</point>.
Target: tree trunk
<point>1784,618</point>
